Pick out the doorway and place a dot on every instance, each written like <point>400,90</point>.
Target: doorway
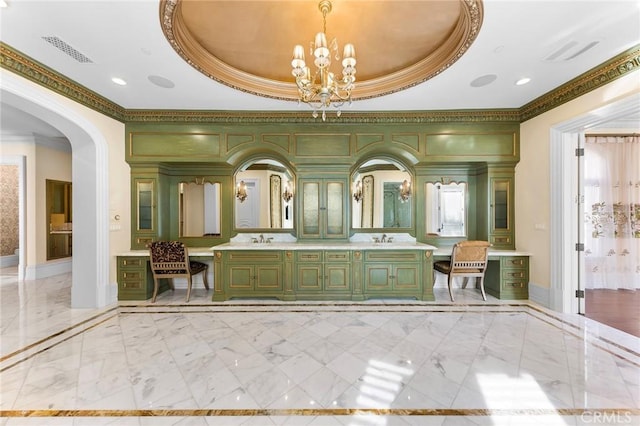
<point>564,259</point>
<point>610,183</point>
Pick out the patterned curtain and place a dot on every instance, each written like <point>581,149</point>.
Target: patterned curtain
<point>612,212</point>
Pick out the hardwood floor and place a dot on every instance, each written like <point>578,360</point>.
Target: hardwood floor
<point>616,308</point>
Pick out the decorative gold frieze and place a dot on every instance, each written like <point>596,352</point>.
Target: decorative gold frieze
<point>32,70</point>
<point>599,76</point>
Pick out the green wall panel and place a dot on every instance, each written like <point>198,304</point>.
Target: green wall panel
<point>236,140</point>
<point>157,146</point>
<point>364,140</point>
<point>411,141</point>
<point>496,145</point>
<point>323,144</point>
<point>282,141</point>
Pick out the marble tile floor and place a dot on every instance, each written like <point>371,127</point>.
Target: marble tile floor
<point>264,362</point>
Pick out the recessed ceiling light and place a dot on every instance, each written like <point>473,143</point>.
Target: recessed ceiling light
<point>119,81</point>
<point>523,80</point>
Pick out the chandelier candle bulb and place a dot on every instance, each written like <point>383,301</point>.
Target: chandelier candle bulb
<point>323,88</point>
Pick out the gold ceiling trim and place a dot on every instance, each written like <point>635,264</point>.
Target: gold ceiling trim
<point>191,51</point>
<point>619,66</point>
<point>38,73</point>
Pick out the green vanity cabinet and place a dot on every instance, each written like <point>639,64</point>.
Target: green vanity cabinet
<point>393,273</point>
<point>135,280</point>
<point>321,274</point>
<point>501,216</point>
<point>508,277</point>
<point>252,273</point>
<point>323,208</point>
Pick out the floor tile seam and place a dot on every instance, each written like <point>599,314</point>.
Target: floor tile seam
<point>58,333</point>
<point>605,348</point>
<point>38,351</point>
<point>605,340</point>
<point>264,412</point>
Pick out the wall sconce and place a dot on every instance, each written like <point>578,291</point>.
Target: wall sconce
<point>357,191</point>
<point>241,191</point>
<point>405,190</point>
<point>287,195</point>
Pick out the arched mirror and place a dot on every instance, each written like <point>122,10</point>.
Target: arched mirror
<point>199,209</point>
<point>382,195</point>
<point>445,209</point>
<point>264,195</point>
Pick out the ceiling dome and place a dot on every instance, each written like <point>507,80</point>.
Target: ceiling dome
<point>248,45</point>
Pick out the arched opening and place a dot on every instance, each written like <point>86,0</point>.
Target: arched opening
<point>90,270</point>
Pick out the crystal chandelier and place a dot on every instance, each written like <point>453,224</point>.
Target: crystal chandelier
<point>323,89</point>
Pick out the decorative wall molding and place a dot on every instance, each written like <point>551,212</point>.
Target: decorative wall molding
<point>618,66</point>
<point>48,269</point>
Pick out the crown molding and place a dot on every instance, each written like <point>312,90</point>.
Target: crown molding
<point>32,70</point>
<point>619,66</point>
<point>395,117</point>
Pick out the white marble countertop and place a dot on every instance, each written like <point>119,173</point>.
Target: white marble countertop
<point>492,252</point>
<point>324,245</point>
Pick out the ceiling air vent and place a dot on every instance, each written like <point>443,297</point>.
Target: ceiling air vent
<point>63,46</point>
<point>569,51</point>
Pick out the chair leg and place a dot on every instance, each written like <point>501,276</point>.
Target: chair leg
<point>449,282</point>
<point>484,296</point>
<point>204,278</point>
<point>155,290</point>
<point>188,287</point>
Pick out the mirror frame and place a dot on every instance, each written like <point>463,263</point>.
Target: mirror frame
<point>290,171</point>
<point>401,166</point>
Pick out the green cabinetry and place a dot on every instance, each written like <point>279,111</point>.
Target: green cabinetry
<point>323,208</point>
<point>393,273</point>
<point>321,274</point>
<point>135,280</point>
<point>508,277</point>
<point>250,273</point>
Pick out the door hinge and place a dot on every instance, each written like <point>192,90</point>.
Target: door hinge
<point>579,152</point>
<point>580,247</point>
<point>580,294</point>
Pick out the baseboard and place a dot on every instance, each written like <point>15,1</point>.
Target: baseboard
<point>9,260</point>
<point>540,295</point>
<point>49,269</point>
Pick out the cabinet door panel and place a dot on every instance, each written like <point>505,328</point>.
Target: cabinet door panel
<point>335,209</point>
<point>337,277</point>
<point>269,277</point>
<point>311,208</point>
<point>240,277</point>
<point>377,277</point>
<point>309,277</point>
<point>406,277</point>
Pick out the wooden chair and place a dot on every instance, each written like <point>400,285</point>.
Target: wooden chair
<point>469,259</point>
<point>170,259</point>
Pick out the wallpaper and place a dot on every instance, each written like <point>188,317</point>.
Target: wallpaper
<point>8,209</point>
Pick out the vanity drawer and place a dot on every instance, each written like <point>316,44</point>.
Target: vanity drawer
<point>132,262</point>
<point>337,256</point>
<point>515,274</point>
<point>309,256</point>
<point>515,262</point>
<point>254,256</point>
<point>392,256</point>
<point>132,285</point>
